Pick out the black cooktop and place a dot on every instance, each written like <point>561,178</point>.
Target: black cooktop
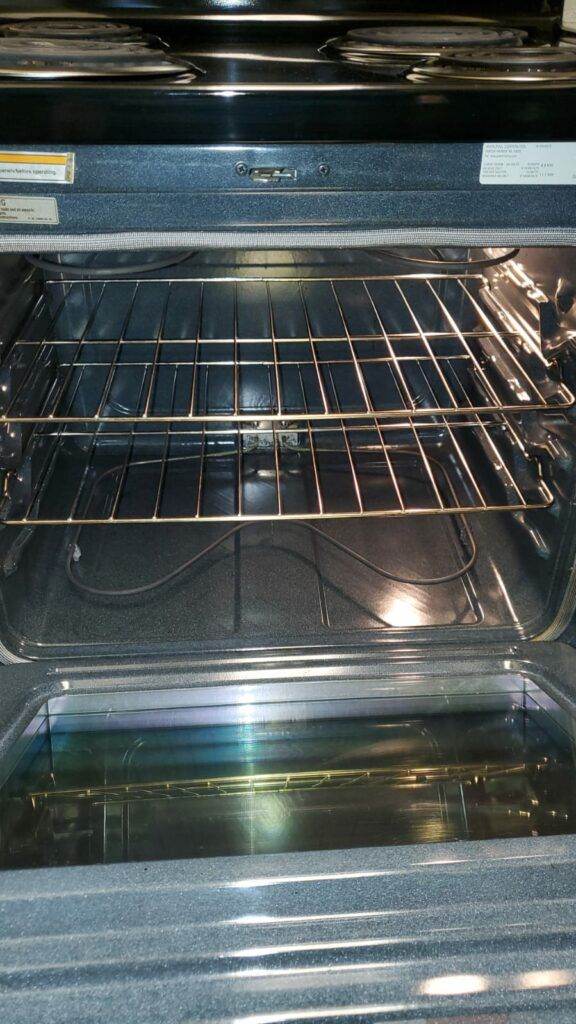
<point>279,94</point>
<point>280,83</point>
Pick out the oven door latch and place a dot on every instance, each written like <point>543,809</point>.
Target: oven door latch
<point>267,175</point>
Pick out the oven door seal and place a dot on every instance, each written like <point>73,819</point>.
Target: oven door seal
<point>288,238</point>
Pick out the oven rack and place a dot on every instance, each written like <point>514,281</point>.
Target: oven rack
<point>196,350</point>
<point>301,470</point>
<point>277,782</point>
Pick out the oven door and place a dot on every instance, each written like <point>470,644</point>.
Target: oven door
<point>330,837</point>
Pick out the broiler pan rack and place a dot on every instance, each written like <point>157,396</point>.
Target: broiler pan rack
<point>201,350</point>
<point>229,471</point>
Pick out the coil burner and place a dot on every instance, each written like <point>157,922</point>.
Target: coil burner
<point>72,29</point>
<point>527,64</point>
<point>60,58</point>
<point>376,47</point>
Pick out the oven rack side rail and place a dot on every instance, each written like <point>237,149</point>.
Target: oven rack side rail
<point>200,350</point>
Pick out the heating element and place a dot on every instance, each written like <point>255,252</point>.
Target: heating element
<point>34,50</point>
<point>72,29</point>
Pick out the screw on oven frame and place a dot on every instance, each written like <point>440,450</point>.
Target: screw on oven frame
<point>324,170</point>
<point>241,169</point>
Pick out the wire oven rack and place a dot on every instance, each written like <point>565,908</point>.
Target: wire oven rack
<point>199,350</point>
<point>277,782</point>
<point>310,469</point>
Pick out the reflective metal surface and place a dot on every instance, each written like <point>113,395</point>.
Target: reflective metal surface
<point>75,28</point>
<point>230,103</point>
<point>436,36</point>
<point>300,10</point>
<point>101,788</point>
<point>30,69</point>
<point>374,46</point>
<point>112,52</point>
<point>272,393</point>
<point>525,64</point>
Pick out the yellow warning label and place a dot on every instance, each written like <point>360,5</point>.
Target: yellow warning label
<point>43,167</point>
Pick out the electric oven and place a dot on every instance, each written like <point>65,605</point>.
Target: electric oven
<point>287,558</point>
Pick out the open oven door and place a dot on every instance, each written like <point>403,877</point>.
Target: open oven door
<point>406,824</point>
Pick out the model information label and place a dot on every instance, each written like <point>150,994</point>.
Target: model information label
<point>528,163</point>
<point>28,210</point>
<point>57,168</point>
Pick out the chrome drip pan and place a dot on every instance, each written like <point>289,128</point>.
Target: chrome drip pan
<point>380,45</point>
<point>66,57</point>
<point>525,64</point>
<point>36,69</point>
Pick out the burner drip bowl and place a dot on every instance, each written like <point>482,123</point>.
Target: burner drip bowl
<point>527,64</point>
<point>377,46</point>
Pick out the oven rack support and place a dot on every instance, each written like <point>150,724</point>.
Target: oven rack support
<point>195,350</point>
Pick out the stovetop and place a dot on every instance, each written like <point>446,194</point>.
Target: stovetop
<point>274,68</point>
<point>270,94</point>
<point>279,84</point>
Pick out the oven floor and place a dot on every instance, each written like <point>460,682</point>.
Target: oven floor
<point>270,584</point>
<point>116,793</point>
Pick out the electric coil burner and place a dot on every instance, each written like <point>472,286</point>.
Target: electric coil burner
<point>376,46</point>
<point>527,64</point>
<point>58,58</point>
<point>63,28</point>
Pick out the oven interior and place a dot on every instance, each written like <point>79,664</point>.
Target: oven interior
<point>213,450</point>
